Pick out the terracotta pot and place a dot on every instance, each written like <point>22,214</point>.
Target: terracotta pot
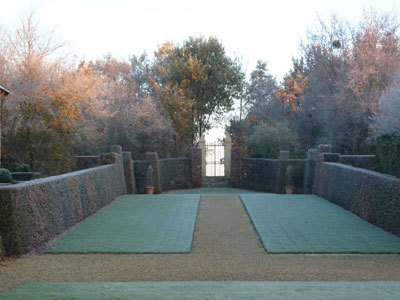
<point>289,189</point>
<point>149,189</point>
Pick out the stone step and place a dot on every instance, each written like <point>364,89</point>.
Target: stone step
<point>216,181</point>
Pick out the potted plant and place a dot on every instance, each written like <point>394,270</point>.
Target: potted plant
<point>289,180</point>
<point>149,181</point>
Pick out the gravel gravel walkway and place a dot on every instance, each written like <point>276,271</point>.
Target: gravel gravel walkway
<point>226,248</point>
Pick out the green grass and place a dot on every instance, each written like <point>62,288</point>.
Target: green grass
<point>137,224</point>
<point>206,290</point>
<point>309,224</point>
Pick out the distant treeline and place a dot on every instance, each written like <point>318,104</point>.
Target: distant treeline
<point>342,89</point>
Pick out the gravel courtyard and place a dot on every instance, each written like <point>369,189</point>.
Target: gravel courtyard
<point>225,248</point>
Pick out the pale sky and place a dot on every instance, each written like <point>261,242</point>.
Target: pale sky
<point>250,29</point>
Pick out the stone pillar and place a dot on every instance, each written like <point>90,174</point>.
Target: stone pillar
<point>309,169</point>
<point>116,159</point>
<point>202,146</point>
<point>227,155</point>
<point>116,149</point>
<point>196,167</point>
<point>324,154</point>
<point>281,176</point>
<point>152,159</point>
<point>236,167</point>
<point>312,154</point>
<point>129,173</point>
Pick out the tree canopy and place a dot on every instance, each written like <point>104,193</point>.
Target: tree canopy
<point>196,82</point>
<point>342,89</point>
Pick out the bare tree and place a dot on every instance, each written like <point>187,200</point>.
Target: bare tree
<point>389,119</point>
<point>348,69</point>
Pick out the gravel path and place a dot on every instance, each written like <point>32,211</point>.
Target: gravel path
<point>224,229</point>
<point>226,248</point>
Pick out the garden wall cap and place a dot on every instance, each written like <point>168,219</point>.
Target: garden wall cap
<point>284,154</point>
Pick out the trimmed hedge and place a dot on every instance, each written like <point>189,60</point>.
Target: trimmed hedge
<point>129,173</point>
<point>175,173</point>
<point>140,168</point>
<point>260,174</point>
<point>269,175</point>
<point>23,168</point>
<point>373,196</point>
<point>36,211</point>
<point>25,176</point>
<point>358,161</point>
<point>86,162</point>
<point>308,180</point>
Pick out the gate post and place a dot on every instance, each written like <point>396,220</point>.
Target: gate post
<point>237,167</point>
<point>129,172</point>
<point>202,146</point>
<point>282,165</point>
<point>195,167</point>
<point>227,155</point>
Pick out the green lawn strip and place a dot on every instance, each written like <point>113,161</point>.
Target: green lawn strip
<point>215,191</point>
<point>206,290</point>
<point>136,224</point>
<point>309,224</point>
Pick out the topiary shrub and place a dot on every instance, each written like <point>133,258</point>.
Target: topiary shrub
<point>23,168</point>
<point>149,177</point>
<point>5,175</point>
<point>289,178</point>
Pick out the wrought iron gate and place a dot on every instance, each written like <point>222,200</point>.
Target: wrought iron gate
<point>215,160</point>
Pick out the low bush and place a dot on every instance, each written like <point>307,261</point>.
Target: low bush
<point>266,141</point>
<point>5,175</point>
<point>23,168</point>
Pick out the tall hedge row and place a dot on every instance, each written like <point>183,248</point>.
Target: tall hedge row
<point>140,167</point>
<point>175,173</point>
<point>269,175</point>
<point>387,150</point>
<point>373,196</point>
<point>260,174</point>
<point>33,212</point>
